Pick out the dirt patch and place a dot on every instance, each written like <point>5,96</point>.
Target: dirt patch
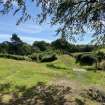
<point>83,95</point>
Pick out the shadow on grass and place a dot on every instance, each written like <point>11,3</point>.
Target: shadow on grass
<point>40,94</point>
<point>90,68</point>
<point>56,66</point>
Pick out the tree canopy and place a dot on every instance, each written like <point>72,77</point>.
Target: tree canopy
<point>72,16</point>
<point>15,38</point>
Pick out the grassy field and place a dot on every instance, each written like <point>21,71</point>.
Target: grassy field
<point>29,73</point>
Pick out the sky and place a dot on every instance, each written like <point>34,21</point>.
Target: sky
<point>31,31</point>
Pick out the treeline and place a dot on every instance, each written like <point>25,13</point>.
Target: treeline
<point>17,47</point>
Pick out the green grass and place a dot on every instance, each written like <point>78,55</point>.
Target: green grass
<point>24,73</point>
<point>29,73</point>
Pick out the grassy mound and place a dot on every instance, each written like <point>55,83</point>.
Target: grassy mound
<point>24,73</point>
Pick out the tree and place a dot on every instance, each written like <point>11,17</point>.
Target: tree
<point>40,46</point>
<point>73,16</point>
<point>63,45</point>
<point>18,47</point>
<point>25,49</point>
<point>4,47</point>
<point>15,39</point>
<point>15,45</point>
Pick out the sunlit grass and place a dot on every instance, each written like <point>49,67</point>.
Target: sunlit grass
<point>29,73</point>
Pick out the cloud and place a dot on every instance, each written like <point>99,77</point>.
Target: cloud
<point>27,28</point>
<point>28,32</point>
<point>35,28</point>
<point>28,39</point>
<point>31,39</point>
<point>30,29</point>
<point>4,35</point>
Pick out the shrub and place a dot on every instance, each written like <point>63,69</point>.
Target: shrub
<point>102,65</point>
<point>100,56</point>
<point>15,57</point>
<point>40,46</point>
<point>63,45</point>
<point>47,57</point>
<point>34,57</point>
<point>78,58</point>
<point>43,57</point>
<point>38,57</point>
<point>86,59</point>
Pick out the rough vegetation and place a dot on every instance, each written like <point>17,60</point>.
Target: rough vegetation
<point>73,17</point>
<point>96,94</point>
<point>43,57</point>
<point>23,69</point>
<point>42,94</point>
<point>17,47</point>
<point>86,59</point>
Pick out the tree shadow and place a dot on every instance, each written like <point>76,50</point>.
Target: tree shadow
<point>55,67</point>
<point>40,94</point>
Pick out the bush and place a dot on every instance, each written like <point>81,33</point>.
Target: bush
<point>47,57</point>
<point>38,57</point>
<point>78,57</point>
<point>40,46</point>
<point>15,57</point>
<point>34,57</point>
<point>43,57</point>
<point>63,45</point>
<point>86,59</point>
<point>102,65</point>
<point>100,56</point>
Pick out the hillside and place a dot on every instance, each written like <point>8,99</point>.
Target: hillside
<point>62,72</point>
<point>23,72</point>
<point>29,73</point>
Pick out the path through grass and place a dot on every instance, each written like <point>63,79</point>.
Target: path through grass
<point>29,73</point>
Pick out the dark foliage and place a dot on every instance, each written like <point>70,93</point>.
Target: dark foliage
<point>66,47</point>
<point>62,45</point>
<point>73,16</point>
<point>78,57</point>
<point>100,56</point>
<point>40,45</point>
<point>43,57</point>
<point>86,59</point>
<point>48,58</point>
<point>15,47</point>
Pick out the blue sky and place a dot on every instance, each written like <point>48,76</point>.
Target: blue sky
<point>30,31</point>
